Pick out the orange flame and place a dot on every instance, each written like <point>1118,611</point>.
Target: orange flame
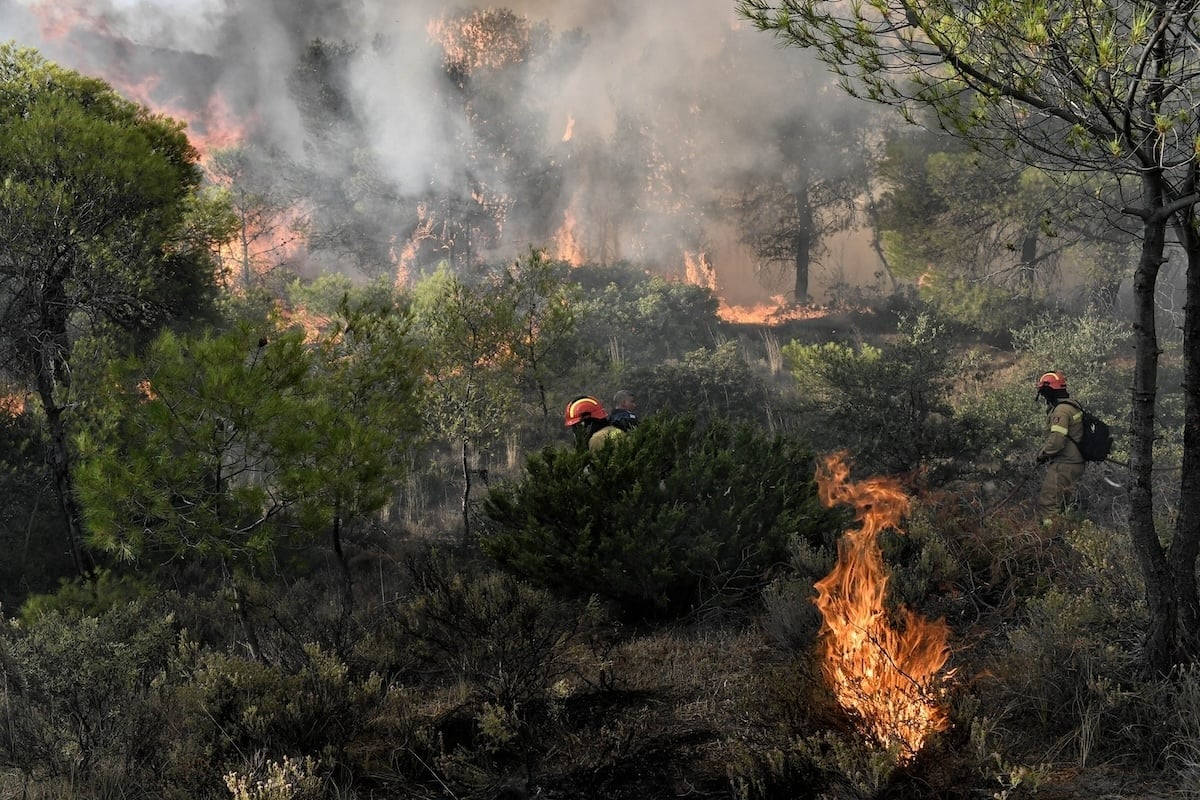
<point>885,675</point>
<point>699,271</point>
<point>210,128</point>
<point>12,404</point>
<point>567,246</point>
<point>570,131</point>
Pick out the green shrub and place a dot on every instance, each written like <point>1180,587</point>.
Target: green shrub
<point>1070,671</point>
<point>708,384</point>
<point>232,706</point>
<point>893,406</point>
<point>672,518</point>
<point>630,316</point>
<point>503,640</point>
<point>979,306</point>
<point>83,698</point>
<point>86,597</point>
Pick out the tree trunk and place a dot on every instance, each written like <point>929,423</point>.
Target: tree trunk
<point>466,498</point>
<point>802,239</point>
<point>1029,246</point>
<point>1185,543</point>
<point>239,607</point>
<point>339,553</point>
<point>1151,557</point>
<point>58,460</point>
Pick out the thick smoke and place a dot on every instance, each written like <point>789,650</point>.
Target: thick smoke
<point>667,105</point>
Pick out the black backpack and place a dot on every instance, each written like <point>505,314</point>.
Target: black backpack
<point>1096,442</point>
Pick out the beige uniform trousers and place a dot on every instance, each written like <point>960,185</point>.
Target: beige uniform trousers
<point>1058,488</point>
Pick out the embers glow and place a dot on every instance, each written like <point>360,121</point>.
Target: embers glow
<point>884,669</point>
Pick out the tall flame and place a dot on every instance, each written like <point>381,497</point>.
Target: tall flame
<point>886,675</point>
<point>567,246</point>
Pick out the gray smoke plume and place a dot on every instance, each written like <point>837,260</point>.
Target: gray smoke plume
<point>668,106</point>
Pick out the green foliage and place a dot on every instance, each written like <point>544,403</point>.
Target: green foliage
<point>504,638</point>
<point>1090,350</point>
<point>183,462</point>
<point>1067,668</point>
<point>231,706</point>
<point>630,317</point>
<point>83,697</point>
<point>891,406</point>
<point>29,523</point>
<point>323,296</point>
<point>204,445</point>
<point>466,331</point>
<point>1070,670</point>
<point>366,384</point>
<point>1082,346</point>
<point>546,320</point>
<point>86,597</point>
<point>671,518</point>
<point>978,306</point>
<point>126,181</point>
<point>708,384</point>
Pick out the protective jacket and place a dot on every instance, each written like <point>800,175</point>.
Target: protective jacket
<point>602,437</point>
<point>1065,423</point>
<point>1066,467</point>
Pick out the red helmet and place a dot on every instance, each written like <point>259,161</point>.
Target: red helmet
<point>1052,380</point>
<point>583,408</point>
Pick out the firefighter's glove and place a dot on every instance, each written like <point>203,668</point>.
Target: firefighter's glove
<point>1042,458</point>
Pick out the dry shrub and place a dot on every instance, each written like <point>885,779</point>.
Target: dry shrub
<point>1181,707</point>
<point>1068,672</point>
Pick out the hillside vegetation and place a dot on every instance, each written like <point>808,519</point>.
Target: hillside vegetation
<point>632,623</point>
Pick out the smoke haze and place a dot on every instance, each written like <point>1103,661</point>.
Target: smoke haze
<point>694,90</point>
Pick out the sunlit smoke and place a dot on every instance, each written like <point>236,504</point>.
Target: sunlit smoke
<point>631,121</point>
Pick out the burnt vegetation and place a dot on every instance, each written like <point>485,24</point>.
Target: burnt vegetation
<point>324,535</point>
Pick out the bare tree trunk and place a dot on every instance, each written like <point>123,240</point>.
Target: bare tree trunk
<point>347,580</point>
<point>58,457</point>
<point>1029,249</point>
<point>802,239</point>
<point>1159,646</point>
<point>466,498</point>
<point>239,607</point>
<point>1185,543</point>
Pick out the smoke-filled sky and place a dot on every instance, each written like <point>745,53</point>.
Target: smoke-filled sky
<point>705,89</point>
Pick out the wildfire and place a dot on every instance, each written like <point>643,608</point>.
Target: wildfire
<point>570,131</point>
<point>886,675</point>
<point>485,39</point>
<point>12,404</point>
<point>211,127</point>
<point>567,246</point>
<point>699,271</point>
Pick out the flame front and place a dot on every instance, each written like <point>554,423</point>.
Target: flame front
<point>885,673</point>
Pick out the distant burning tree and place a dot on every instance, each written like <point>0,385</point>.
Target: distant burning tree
<point>484,39</point>
<point>885,675</point>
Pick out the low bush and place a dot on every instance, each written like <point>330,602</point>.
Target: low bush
<point>83,697</point>
<point>671,519</point>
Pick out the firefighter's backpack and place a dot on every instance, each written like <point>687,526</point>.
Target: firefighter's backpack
<point>1096,442</point>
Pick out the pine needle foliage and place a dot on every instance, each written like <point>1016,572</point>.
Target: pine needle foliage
<point>671,519</point>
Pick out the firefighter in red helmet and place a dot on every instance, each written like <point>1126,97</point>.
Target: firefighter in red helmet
<point>1060,449</point>
<point>590,423</point>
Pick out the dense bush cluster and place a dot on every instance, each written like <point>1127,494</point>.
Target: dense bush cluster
<point>673,518</point>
